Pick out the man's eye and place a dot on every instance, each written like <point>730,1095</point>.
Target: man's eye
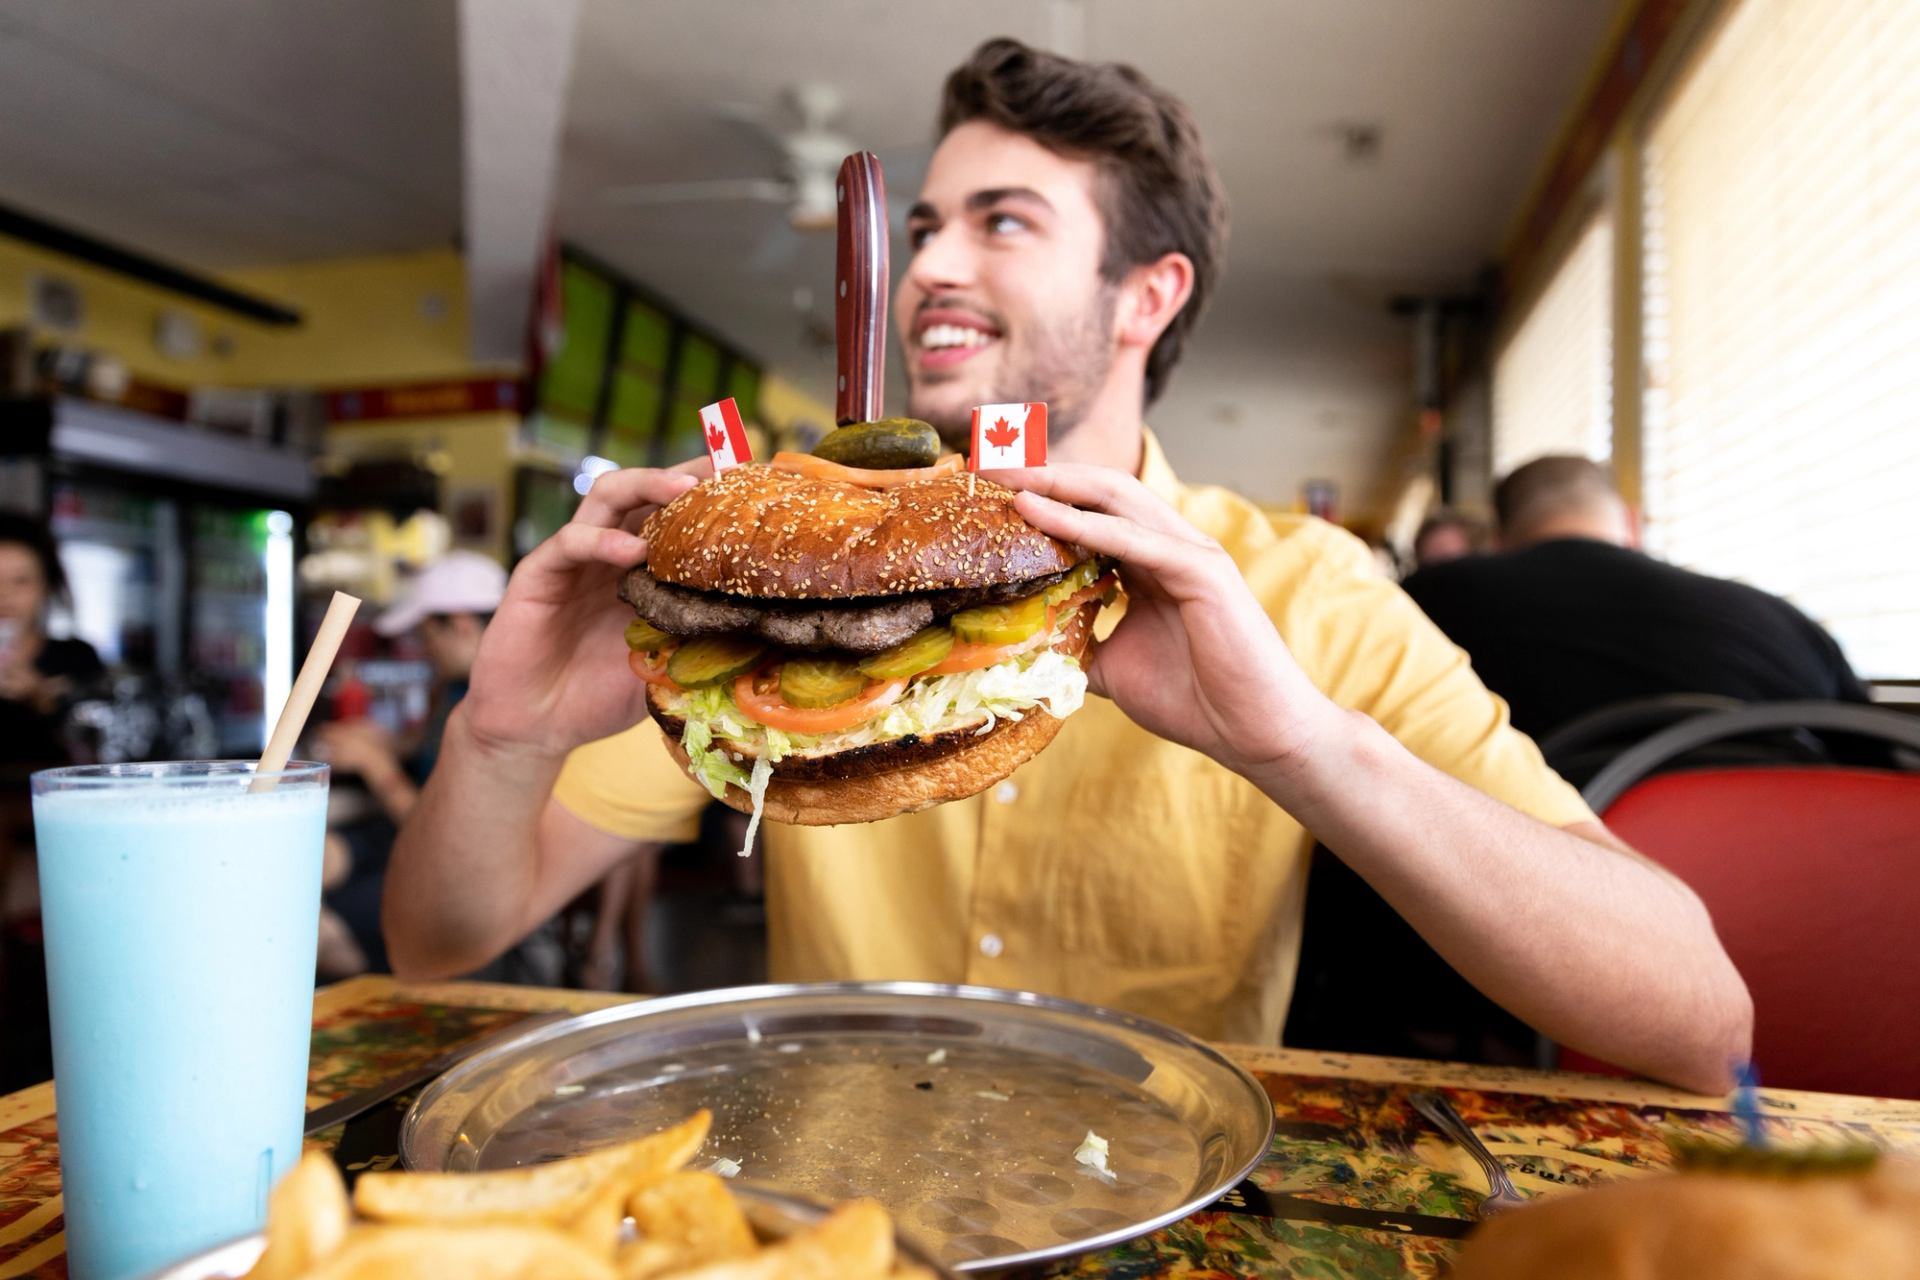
<point>1002,223</point>
<point>917,236</point>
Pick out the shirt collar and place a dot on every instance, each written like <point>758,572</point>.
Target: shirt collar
<point>1157,473</point>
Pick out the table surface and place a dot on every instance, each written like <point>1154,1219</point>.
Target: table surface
<point>1346,1141</point>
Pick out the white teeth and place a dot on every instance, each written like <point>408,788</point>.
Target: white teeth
<point>940,336</point>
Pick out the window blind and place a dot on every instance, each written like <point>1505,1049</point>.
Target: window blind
<point>1553,380</point>
<point>1781,263</point>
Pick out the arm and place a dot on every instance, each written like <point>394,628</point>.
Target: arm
<point>364,748</point>
<point>485,854</point>
<point>1567,929</point>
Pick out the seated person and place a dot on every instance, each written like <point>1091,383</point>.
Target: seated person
<point>1447,535</point>
<point>1265,682</point>
<point>1571,616</point>
<point>38,675</point>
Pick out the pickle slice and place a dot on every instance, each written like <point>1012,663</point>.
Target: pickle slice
<point>891,444</point>
<point>819,682</point>
<point>1001,623</point>
<point>924,648</point>
<point>644,637</point>
<point>1081,576</point>
<point>709,660</point>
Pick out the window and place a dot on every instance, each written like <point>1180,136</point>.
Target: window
<point>1781,348</point>
<point>1553,380</point>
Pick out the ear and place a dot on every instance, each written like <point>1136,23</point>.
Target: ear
<point>1151,296</point>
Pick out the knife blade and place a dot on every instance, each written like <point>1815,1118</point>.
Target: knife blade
<point>343,1109</point>
<point>1252,1200</point>
<point>860,289</point>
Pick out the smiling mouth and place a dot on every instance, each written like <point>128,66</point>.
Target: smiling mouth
<point>949,337</point>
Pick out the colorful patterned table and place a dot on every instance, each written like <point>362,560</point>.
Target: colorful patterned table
<point>1356,1184</point>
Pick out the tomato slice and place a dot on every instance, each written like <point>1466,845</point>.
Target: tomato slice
<point>972,657</point>
<point>650,672</point>
<point>758,695</point>
<point>805,464</point>
<point>1089,593</point>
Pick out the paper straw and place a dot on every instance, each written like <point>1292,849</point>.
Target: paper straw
<point>306,688</point>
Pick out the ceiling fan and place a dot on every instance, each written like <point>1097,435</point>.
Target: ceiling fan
<point>810,155</point>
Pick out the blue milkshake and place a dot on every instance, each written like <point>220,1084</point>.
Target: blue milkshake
<point>180,911</point>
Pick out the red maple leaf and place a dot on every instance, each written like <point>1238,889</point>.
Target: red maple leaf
<point>1000,435</point>
<point>717,438</point>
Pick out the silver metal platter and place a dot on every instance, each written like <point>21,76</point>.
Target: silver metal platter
<point>773,1216</point>
<point>959,1108</point>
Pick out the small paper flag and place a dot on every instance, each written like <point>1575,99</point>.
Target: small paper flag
<point>1008,435</point>
<point>726,435</point>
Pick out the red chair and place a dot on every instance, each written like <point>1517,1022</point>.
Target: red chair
<point>1813,879</point>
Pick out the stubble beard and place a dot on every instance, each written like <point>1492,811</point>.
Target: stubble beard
<point>1063,364</point>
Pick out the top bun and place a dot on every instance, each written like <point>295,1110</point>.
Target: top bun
<point>756,531</point>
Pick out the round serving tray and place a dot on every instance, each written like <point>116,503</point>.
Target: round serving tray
<point>959,1108</point>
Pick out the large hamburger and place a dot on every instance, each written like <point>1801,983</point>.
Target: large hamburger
<point>826,644</point>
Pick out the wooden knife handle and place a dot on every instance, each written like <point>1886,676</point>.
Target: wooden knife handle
<point>860,289</point>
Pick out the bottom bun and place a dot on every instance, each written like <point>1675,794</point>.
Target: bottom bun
<point>954,775</point>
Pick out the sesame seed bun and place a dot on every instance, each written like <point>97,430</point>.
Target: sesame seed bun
<point>757,532</point>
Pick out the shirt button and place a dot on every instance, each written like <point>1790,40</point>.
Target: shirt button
<point>1006,793</point>
<point>991,946</point>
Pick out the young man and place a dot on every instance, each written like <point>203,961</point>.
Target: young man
<point>1154,857</point>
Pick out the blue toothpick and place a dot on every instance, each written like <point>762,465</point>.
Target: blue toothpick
<point>1746,1105</point>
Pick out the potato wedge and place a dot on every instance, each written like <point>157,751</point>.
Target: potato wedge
<point>472,1251</point>
<point>854,1242</point>
<point>696,1212</point>
<point>307,1218</point>
<point>557,1193</point>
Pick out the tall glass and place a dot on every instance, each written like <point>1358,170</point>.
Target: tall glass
<point>180,910</point>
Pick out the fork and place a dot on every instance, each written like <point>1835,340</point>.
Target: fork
<point>1503,1195</point>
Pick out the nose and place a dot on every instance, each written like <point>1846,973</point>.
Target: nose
<point>943,263</point>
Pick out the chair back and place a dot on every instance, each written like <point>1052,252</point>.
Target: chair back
<point>1813,879</point>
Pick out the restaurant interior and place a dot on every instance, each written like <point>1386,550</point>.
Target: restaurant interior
<point>1594,325</point>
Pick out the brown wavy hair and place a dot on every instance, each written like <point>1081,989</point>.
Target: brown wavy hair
<point>1158,191</point>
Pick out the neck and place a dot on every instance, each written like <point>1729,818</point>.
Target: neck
<point>1110,433</point>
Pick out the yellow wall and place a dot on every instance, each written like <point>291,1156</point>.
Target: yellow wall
<point>782,405</point>
<point>384,319</point>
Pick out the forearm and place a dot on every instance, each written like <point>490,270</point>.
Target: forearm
<point>395,792</point>
<point>466,864</point>
<point>1593,946</point>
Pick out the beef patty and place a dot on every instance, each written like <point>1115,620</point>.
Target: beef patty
<point>861,626</point>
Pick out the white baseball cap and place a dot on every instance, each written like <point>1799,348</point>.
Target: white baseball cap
<point>458,582</point>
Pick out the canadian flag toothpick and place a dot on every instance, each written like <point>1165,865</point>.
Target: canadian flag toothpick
<point>726,435</point>
<point>1008,435</point>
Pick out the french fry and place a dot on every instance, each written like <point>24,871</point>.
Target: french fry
<point>472,1251</point>
<point>649,1259</point>
<point>557,1193</point>
<point>854,1242</point>
<point>307,1218</point>
<point>694,1211</point>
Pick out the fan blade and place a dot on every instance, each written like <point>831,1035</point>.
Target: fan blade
<point>771,189</point>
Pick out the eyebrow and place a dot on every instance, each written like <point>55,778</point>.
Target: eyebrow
<point>980,200</point>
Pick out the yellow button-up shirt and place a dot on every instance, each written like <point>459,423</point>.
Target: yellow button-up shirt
<point>1114,867</point>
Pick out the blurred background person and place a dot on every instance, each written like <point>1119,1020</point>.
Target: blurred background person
<point>39,675</point>
<point>1570,616</point>
<point>1447,535</point>
<point>444,609</point>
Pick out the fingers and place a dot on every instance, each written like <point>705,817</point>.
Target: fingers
<point>617,494</point>
<point>1172,560</point>
<point>578,544</point>
<point>1101,489</point>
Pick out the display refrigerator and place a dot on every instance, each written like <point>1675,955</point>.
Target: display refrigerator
<point>179,547</point>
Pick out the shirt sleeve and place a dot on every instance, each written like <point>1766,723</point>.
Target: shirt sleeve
<point>1368,646</point>
<point>628,786</point>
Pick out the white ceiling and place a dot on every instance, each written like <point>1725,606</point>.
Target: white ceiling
<point>224,133</point>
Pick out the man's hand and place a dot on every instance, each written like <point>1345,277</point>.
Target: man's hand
<point>1196,660</point>
<point>552,672</point>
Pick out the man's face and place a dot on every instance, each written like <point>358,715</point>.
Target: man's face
<point>1002,301</point>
